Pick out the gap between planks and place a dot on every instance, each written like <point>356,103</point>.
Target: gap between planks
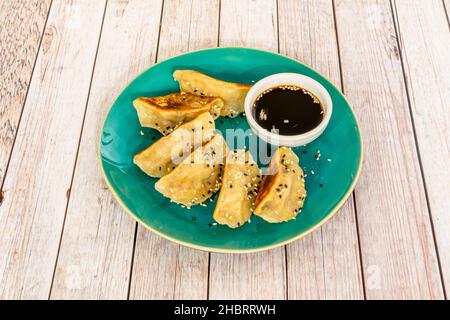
<point>130,281</point>
<point>96,258</point>
<point>2,177</point>
<point>409,94</point>
<point>78,148</point>
<point>355,206</point>
<point>263,274</point>
<point>341,81</point>
<point>446,4</point>
<point>32,242</point>
<point>176,271</point>
<point>418,151</point>
<point>412,274</point>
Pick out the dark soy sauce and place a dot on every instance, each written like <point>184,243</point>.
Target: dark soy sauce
<point>289,109</point>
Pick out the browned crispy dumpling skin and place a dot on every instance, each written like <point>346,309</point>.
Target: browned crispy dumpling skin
<point>282,190</point>
<point>163,156</point>
<point>166,113</point>
<point>239,188</point>
<point>233,94</point>
<point>198,177</point>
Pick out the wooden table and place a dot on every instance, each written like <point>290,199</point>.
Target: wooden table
<point>63,63</point>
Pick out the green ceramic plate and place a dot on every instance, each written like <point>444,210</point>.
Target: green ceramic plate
<point>329,180</point>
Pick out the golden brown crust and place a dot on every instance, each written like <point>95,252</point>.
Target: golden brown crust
<point>166,113</point>
<point>177,101</point>
<point>232,94</point>
<point>282,193</point>
<point>157,159</point>
<point>198,176</point>
<point>205,76</point>
<point>267,182</point>
<point>240,181</point>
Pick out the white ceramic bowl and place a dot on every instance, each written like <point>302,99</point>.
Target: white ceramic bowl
<point>295,79</point>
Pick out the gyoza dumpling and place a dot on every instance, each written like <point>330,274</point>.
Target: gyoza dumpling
<point>165,113</point>
<point>282,190</point>
<point>198,177</point>
<point>239,188</point>
<point>162,156</point>
<point>233,94</point>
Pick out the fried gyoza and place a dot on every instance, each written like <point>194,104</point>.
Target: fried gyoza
<point>162,156</point>
<point>233,94</point>
<point>282,191</point>
<point>198,177</point>
<point>239,188</point>
<point>166,113</point>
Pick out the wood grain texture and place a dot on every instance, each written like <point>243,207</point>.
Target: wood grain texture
<point>425,45</point>
<point>97,245</point>
<point>32,212</point>
<point>396,92</point>
<point>398,253</point>
<point>21,28</point>
<point>164,270</point>
<point>260,275</point>
<point>325,264</point>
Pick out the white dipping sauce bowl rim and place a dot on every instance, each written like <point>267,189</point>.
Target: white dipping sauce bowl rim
<point>294,79</point>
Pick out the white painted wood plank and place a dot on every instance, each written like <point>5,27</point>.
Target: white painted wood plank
<point>260,275</point>
<point>97,245</point>
<point>342,265</point>
<point>398,253</point>
<point>325,264</point>
<point>425,43</point>
<point>21,28</point>
<point>164,270</point>
<point>250,24</point>
<point>32,213</point>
